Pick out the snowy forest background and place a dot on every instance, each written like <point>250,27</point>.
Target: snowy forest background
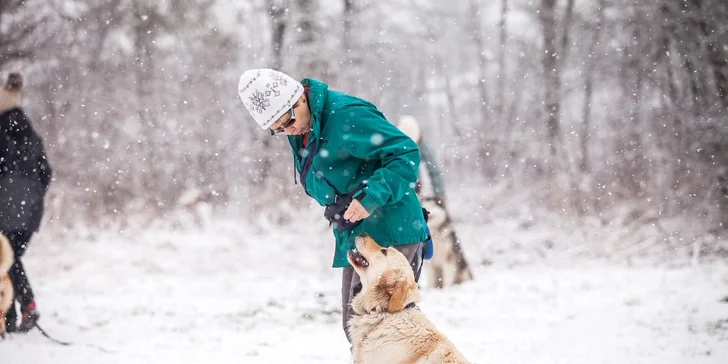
<point>606,112</point>
<point>584,145</point>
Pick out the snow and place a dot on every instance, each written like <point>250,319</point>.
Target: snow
<point>234,293</point>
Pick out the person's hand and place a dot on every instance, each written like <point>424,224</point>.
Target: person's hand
<point>356,211</point>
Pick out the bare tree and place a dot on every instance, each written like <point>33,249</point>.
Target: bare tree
<point>565,32</point>
<point>482,61</point>
<point>589,68</point>
<point>713,34</point>
<point>352,72</point>
<point>145,22</point>
<point>485,114</point>
<point>552,81</point>
<point>648,107</point>
<point>309,40</point>
<point>18,31</point>
<point>503,33</point>
<point>278,11</point>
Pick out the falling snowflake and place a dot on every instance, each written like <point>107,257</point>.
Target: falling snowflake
<point>377,139</point>
<point>259,101</point>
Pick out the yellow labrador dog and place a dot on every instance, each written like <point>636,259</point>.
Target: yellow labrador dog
<point>6,286</point>
<point>388,327</point>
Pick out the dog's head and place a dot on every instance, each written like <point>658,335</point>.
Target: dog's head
<point>438,215</point>
<point>388,282</point>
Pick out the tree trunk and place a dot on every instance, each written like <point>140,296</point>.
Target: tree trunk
<point>565,28</point>
<point>549,62</point>
<point>111,11</point>
<point>717,58</point>
<point>13,40</point>
<point>143,68</point>
<point>590,67</point>
<point>632,172</point>
<point>277,11</point>
<point>502,59</point>
<point>484,110</point>
<point>665,51</point>
<point>146,24</point>
<point>311,53</point>
<point>353,70</point>
<point>482,62</point>
<point>696,90</point>
<point>452,107</point>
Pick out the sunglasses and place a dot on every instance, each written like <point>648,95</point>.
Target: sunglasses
<point>290,122</point>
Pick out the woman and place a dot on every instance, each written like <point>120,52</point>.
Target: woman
<point>24,178</point>
<point>431,182</point>
<point>350,159</point>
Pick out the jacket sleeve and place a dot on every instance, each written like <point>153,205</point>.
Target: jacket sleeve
<point>369,136</point>
<point>32,160</point>
<point>6,151</point>
<point>35,152</point>
<point>433,169</point>
<point>44,170</point>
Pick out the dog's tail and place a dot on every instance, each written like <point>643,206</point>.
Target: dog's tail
<point>6,255</point>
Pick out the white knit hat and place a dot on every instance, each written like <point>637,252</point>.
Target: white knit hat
<point>268,94</point>
<point>409,125</point>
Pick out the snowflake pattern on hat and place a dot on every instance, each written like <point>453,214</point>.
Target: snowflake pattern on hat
<point>259,101</point>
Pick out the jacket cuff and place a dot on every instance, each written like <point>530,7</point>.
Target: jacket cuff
<point>367,201</point>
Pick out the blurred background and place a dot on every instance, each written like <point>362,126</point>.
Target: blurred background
<point>592,108</point>
<point>566,130</point>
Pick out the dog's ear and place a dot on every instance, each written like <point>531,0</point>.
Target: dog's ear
<point>399,296</point>
<point>397,288</point>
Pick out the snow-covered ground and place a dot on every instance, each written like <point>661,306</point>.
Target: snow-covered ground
<point>230,293</point>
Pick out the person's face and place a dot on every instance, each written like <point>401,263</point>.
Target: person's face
<point>296,121</point>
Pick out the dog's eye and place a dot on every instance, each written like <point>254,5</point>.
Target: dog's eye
<point>384,251</point>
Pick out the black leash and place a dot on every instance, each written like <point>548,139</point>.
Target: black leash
<point>66,343</point>
<point>51,338</point>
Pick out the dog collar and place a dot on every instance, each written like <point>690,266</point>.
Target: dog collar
<point>410,305</point>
